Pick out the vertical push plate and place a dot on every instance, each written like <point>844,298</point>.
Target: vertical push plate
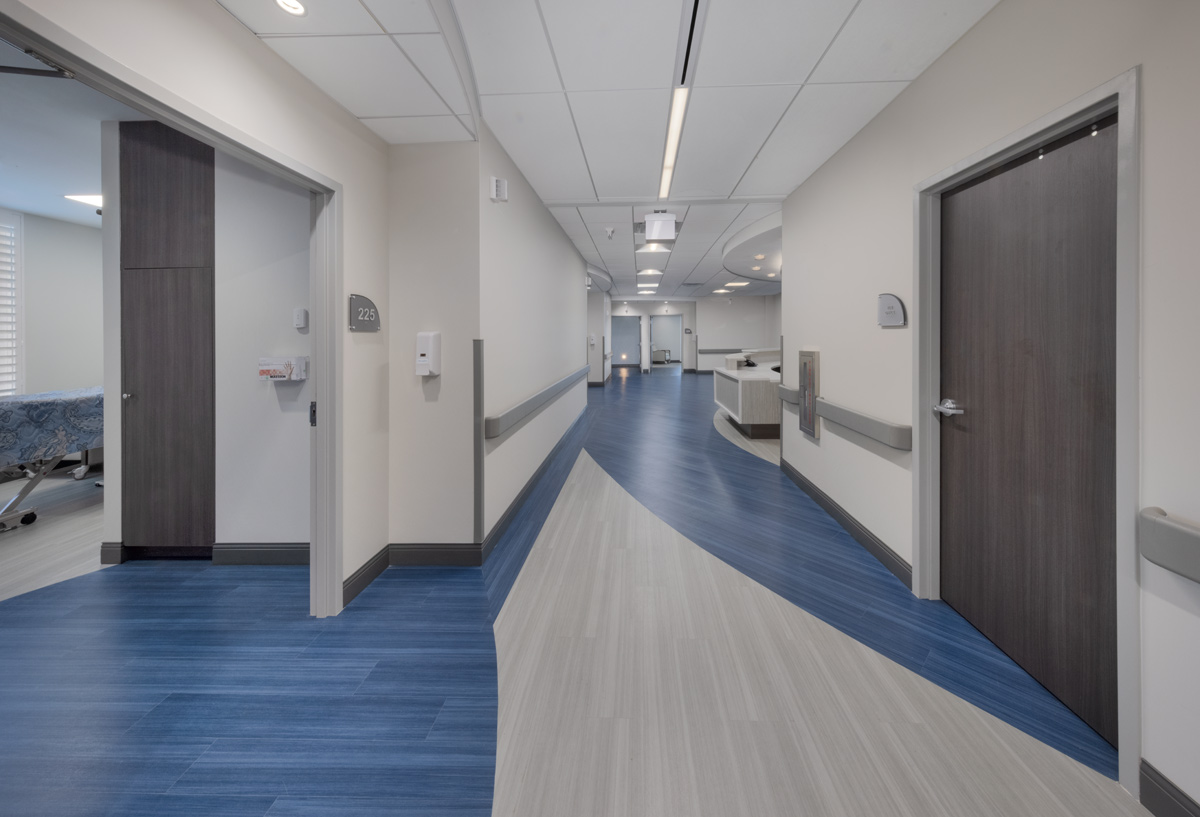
<point>312,414</point>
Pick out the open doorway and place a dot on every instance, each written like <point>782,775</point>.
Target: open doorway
<point>666,344</point>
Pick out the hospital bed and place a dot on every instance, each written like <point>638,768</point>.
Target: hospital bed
<point>37,431</point>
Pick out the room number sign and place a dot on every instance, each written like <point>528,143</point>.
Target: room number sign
<point>364,315</point>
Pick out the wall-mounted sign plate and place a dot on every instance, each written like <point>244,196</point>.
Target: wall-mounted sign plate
<point>364,315</point>
<point>891,311</point>
<point>810,388</point>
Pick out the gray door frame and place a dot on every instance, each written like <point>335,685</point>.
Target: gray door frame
<point>100,72</point>
<point>1121,96</point>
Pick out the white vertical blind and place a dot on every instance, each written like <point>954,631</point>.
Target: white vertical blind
<point>10,311</point>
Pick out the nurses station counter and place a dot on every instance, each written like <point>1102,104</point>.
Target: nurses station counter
<point>750,394</point>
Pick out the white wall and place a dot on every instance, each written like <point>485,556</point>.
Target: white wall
<point>262,430</point>
<point>248,94</point>
<point>739,322</point>
<point>435,287</point>
<point>599,327</point>
<point>1022,61</point>
<point>646,308</point>
<point>531,269</point>
<point>64,318</point>
<point>774,319</point>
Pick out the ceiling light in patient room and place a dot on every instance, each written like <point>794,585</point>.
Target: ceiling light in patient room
<point>91,201</point>
<point>293,7</point>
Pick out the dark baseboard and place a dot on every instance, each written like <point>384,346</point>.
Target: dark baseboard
<point>874,545</point>
<point>704,371</point>
<point>448,555</point>
<point>112,553</point>
<point>199,552</point>
<point>756,431</point>
<point>260,553</point>
<point>608,379</point>
<point>689,371</point>
<point>592,385</point>
<point>626,365</point>
<point>1162,798</point>
<point>366,574</point>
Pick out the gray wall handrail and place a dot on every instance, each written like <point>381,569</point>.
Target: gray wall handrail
<point>789,395</point>
<point>890,434</point>
<point>1169,543</point>
<point>495,426</point>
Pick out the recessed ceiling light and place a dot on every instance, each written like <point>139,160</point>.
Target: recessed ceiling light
<point>759,257</point>
<point>293,7</point>
<point>756,269</point>
<point>92,201</point>
<point>654,246</point>
<point>739,284</point>
<point>650,272</point>
<point>674,130</point>
<point>770,275</point>
<point>721,291</point>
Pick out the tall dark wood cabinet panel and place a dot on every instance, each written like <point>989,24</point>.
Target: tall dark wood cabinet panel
<point>1028,471</point>
<point>167,342</point>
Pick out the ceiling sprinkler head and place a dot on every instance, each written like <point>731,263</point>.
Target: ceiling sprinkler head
<point>609,232</point>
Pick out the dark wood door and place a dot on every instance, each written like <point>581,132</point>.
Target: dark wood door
<point>167,340</point>
<point>1028,470</point>
<point>169,476</point>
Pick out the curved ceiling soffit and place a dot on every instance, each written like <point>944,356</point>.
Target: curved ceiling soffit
<point>764,237</point>
<point>603,280</point>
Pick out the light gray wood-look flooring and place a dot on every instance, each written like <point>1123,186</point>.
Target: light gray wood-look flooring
<point>640,675</point>
<point>63,543</point>
<point>764,449</point>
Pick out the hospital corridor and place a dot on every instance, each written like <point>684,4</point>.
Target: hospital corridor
<point>634,409</point>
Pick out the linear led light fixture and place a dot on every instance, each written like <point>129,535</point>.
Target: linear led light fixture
<point>738,284</point>
<point>650,272</point>
<point>674,132</point>
<point>92,201</point>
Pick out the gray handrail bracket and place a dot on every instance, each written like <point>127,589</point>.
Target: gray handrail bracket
<point>1169,543</point>
<point>496,426</point>
<point>789,395</point>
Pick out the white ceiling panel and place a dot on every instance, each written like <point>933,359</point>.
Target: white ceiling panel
<point>367,75</point>
<point>537,132</point>
<point>404,16</point>
<point>468,123</point>
<point>406,130</point>
<point>821,120</point>
<point>680,210</point>
<point>608,214</point>
<point>713,216</point>
<point>886,40</point>
<point>616,44</point>
<point>766,42</point>
<point>623,133</point>
<point>723,131</point>
<point>433,59</point>
<point>508,46</point>
<point>325,17</point>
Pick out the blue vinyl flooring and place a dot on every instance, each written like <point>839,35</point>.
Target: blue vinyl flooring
<point>180,688</point>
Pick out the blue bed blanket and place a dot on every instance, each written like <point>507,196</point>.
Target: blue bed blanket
<point>50,424</point>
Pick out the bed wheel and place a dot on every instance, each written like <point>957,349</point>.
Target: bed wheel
<point>29,518</point>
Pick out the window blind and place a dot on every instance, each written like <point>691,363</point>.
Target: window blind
<point>10,338</point>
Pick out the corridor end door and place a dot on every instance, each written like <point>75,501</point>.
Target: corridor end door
<point>1028,469</point>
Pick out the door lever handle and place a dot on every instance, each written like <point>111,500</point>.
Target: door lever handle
<point>947,407</point>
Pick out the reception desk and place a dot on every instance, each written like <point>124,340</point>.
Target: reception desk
<point>750,396</point>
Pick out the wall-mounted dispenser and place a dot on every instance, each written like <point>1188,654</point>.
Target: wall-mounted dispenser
<point>429,354</point>
<point>283,368</point>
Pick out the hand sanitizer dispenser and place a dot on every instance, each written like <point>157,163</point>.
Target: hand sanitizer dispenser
<point>429,354</point>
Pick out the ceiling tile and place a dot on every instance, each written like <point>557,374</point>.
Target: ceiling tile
<point>623,133</point>
<point>508,46</point>
<point>537,132</point>
<point>608,214</point>
<point>367,75</point>
<point>614,45</point>
<point>886,40</point>
<point>469,123</point>
<point>404,16</point>
<point>713,216</point>
<point>765,42</point>
<point>407,130</point>
<point>821,120</point>
<point>326,17</point>
<point>723,131</point>
<point>433,59</point>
